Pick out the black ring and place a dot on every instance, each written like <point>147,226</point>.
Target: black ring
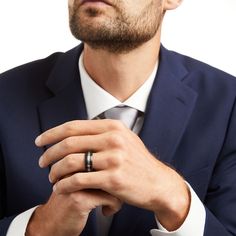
<point>88,163</point>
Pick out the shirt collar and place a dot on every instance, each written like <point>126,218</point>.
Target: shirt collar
<point>98,100</point>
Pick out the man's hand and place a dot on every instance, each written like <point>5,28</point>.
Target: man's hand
<point>123,167</point>
<point>67,214</point>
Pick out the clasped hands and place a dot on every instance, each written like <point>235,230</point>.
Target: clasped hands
<point>124,171</point>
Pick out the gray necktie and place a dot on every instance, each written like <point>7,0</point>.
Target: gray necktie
<point>128,116</point>
<point>125,114</point>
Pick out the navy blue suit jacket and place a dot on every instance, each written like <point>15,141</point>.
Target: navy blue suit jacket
<point>190,123</point>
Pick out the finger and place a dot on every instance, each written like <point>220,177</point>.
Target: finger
<point>80,144</point>
<point>76,128</point>
<point>75,163</point>
<point>82,181</point>
<point>95,198</point>
<point>75,144</point>
<point>110,204</point>
<point>65,167</point>
<point>111,207</point>
<point>108,210</point>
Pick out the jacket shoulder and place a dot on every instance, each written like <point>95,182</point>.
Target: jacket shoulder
<point>194,65</point>
<point>34,68</point>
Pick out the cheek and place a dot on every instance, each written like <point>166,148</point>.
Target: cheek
<point>71,7</point>
<point>70,3</point>
<point>134,9</point>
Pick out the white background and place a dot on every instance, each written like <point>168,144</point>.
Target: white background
<point>203,29</point>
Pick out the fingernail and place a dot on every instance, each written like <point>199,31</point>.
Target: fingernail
<point>41,161</point>
<point>38,140</point>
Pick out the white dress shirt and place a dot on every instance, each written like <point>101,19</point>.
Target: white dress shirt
<point>195,220</point>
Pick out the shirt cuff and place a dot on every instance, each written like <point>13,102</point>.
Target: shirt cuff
<point>194,223</point>
<point>19,224</point>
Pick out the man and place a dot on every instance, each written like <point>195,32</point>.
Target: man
<point>166,168</point>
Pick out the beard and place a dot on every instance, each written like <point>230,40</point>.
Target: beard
<point>122,33</point>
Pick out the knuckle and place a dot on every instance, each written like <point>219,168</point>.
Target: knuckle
<point>76,180</point>
<point>116,125</point>
<point>117,204</point>
<point>70,162</point>
<point>68,143</point>
<point>79,202</point>
<point>116,159</point>
<point>70,127</point>
<point>116,139</point>
<point>116,181</point>
<point>77,199</point>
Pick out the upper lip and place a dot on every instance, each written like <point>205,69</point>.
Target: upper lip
<point>105,1</point>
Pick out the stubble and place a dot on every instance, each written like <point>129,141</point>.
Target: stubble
<point>122,32</point>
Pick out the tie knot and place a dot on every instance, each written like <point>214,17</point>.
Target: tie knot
<point>125,114</point>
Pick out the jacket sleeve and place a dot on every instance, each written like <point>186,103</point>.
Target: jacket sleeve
<point>220,201</point>
<point>4,224</point>
<point>4,221</point>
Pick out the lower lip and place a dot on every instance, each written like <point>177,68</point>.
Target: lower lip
<point>95,3</point>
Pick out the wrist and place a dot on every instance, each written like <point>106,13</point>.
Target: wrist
<point>41,223</point>
<point>47,221</point>
<point>175,207</point>
<point>34,224</point>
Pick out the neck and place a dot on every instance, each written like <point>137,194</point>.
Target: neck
<point>122,74</point>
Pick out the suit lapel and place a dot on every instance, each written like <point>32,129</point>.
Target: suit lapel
<point>66,102</point>
<point>169,108</point>
<point>65,106</point>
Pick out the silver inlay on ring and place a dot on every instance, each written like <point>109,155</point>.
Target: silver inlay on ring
<point>88,163</point>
